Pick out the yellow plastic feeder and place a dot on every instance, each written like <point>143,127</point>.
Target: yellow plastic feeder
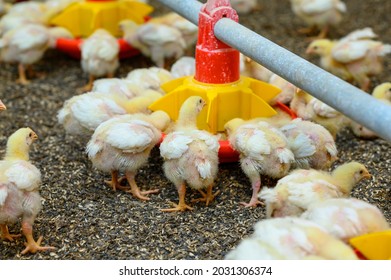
<point>374,246</point>
<point>217,79</point>
<point>83,18</point>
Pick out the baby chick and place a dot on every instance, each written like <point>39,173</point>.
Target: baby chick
<point>346,218</point>
<point>321,14</point>
<point>253,69</point>
<point>185,66</point>
<point>383,93</point>
<point>262,148</point>
<point>295,192</point>
<point>157,41</point>
<point>290,238</point>
<point>81,114</point>
<point>116,86</point>
<point>355,57</point>
<point>287,90</point>
<point>19,195</point>
<point>123,144</point>
<point>27,44</point>
<point>312,144</point>
<point>190,155</point>
<point>99,56</point>
<point>149,78</point>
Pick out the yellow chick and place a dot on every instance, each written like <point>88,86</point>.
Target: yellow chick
<point>263,149</point>
<point>290,238</point>
<point>190,155</point>
<point>27,44</point>
<point>157,41</point>
<point>319,14</point>
<point>81,114</point>
<point>99,56</point>
<point>355,57</point>
<point>309,108</point>
<point>149,78</point>
<point>345,218</point>
<point>123,144</point>
<point>383,93</point>
<point>19,195</point>
<point>295,192</point>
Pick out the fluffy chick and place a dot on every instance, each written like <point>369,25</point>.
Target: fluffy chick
<point>295,192</point>
<point>383,93</point>
<point>116,86</point>
<point>27,44</point>
<point>99,56</point>
<point>287,90</point>
<point>253,69</point>
<point>355,57</point>
<point>185,66</point>
<point>262,148</point>
<point>319,14</point>
<point>309,108</point>
<point>190,155</point>
<point>149,78</point>
<point>81,114</point>
<point>157,41</point>
<point>290,238</point>
<point>346,218</point>
<point>19,189</point>
<point>312,144</point>
<point>123,144</point>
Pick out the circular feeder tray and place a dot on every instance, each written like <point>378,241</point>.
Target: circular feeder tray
<point>72,48</point>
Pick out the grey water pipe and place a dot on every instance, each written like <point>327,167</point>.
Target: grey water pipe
<point>342,96</point>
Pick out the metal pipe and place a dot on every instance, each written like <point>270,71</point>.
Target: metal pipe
<point>344,97</point>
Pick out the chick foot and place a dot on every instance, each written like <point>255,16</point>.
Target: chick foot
<point>115,183</point>
<point>88,86</point>
<point>252,203</point>
<point>207,197</point>
<point>134,189</point>
<point>33,247</point>
<point>22,75</point>
<point>6,235</point>
<point>181,206</point>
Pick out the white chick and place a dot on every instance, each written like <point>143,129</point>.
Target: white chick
<point>185,66</point>
<point>346,218</point>
<point>27,44</point>
<point>309,108</point>
<point>321,14</point>
<point>295,192</point>
<point>245,6</point>
<point>312,144</point>
<point>290,238</point>
<point>122,87</point>
<point>188,30</point>
<point>287,90</point>
<point>19,189</point>
<point>355,57</point>
<point>123,144</point>
<point>253,69</point>
<point>263,149</point>
<point>99,56</point>
<point>81,114</point>
<point>149,78</point>
<point>190,155</point>
<point>157,41</point>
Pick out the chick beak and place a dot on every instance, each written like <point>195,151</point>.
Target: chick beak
<point>308,51</point>
<point>367,175</point>
<point>2,106</point>
<point>34,136</point>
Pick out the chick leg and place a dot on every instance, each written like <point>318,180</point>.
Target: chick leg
<point>134,190</point>
<point>31,245</point>
<point>181,206</point>
<point>6,235</point>
<point>114,183</point>
<point>22,75</point>
<point>256,186</point>
<point>88,86</point>
<point>34,74</point>
<point>208,196</point>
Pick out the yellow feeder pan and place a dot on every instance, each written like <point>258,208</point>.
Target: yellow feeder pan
<point>83,18</point>
<point>374,246</point>
<point>217,79</point>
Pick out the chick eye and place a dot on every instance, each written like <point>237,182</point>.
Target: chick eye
<point>200,101</point>
<point>361,171</point>
<point>30,134</point>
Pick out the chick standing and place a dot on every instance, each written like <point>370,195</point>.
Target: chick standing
<point>123,144</point>
<point>263,149</point>
<point>295,192</point>
<point>99,56</point>
<point>190,155</point>
<point>355,57</point>
<point>346,218</point>
<point>19,185</point>
<point>290,238</point>
<point>157,41</point>
<point>321,14</point>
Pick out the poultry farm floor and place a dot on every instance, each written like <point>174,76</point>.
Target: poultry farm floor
<point>84,219</point>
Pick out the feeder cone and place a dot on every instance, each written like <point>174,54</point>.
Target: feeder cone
<point>217,79</point>
<point>83,18</point>
<point>374,246</point>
